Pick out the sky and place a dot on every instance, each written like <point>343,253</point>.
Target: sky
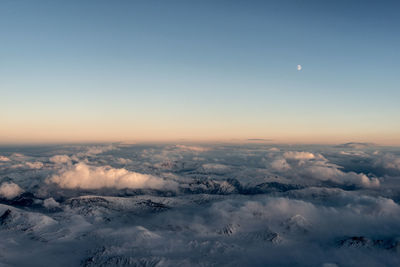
<point>89,71</point>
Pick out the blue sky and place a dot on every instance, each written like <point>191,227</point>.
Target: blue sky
<point>201,70</point>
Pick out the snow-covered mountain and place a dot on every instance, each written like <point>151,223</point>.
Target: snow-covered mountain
<point>222,205</point>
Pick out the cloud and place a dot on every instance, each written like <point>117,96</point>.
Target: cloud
<point>50,203</point>
<point>215,167</point>
<point>306,165</point>
<point>331,173</point>
<point>14,157</point>
<point>172,152</point>
<point>351,153</point>
<point>10,190</point>
<point>240,204</point>
<point>355,145</point>
<point>298,155</point>
<point>192,148</point>
<point>60,159</point>
<point>31,165</point>
<point>124,160</point>
<point>95,150</point>
<point>3,158</point>
<point>84,176</point>
<point>280,165</point>
<point>388,161</point>
<point>34,165</point>
<point>18,155</point>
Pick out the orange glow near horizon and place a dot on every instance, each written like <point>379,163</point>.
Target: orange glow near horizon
<point>112,132</point>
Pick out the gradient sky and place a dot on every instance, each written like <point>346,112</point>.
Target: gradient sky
<point>199,70</point>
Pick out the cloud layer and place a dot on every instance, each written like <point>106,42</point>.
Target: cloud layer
<point>189,205</point>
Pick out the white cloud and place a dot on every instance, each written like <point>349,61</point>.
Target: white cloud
<point>299,67</point>
<point>34,165</point>
<point>388,161</point>
<point>94,150</point>
<point>50,203</point>
<point>280,165</point>
<point>331,173</point>
<point>124,161</point>
<point>60,159</point>
<point>314,165</point>
<point>354,153</point>
<point>298,155</point>
<point>84,176</point>
<point>3,158</point>
<point>18,156</point>
<point>10,190</point>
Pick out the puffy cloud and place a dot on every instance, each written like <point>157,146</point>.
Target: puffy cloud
<point>84,176</point>
<point>298,155</point>
<point>31,165</point>
<point>3,158</point>
<point>18,157</point>
<point>172,152</point>
<point>10,190</point>
<point>60,159</point>
<point>280,165</point>
<point>124,161</point>
<point>388,161</point>
<point>313,166</point>
<point>34,165</point>
<point>50,203</point>
<point>331,173</point>
<point>94,150</point>
<point>380,206</point>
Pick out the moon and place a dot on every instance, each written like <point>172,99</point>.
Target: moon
<point>299,67</point>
